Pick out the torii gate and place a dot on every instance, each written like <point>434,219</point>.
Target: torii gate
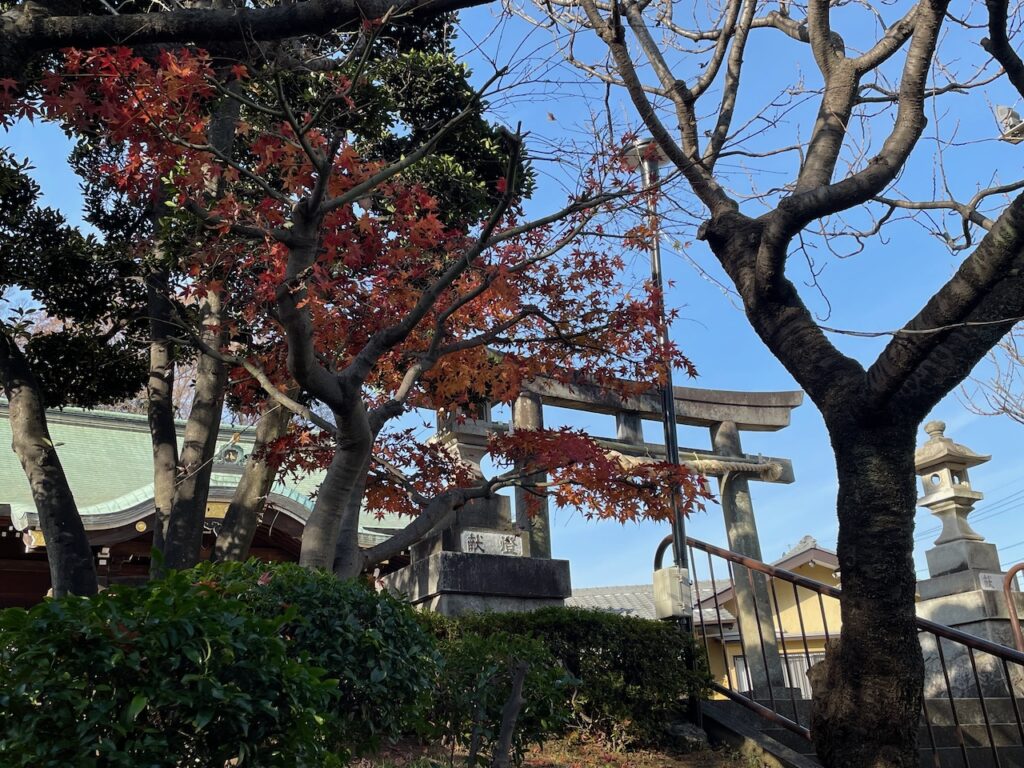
<point>440,575</point>
<point>726,414</point>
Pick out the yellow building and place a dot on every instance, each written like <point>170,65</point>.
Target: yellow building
<point>803,620</point>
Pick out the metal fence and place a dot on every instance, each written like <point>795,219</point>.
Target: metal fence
<point>973,710</point>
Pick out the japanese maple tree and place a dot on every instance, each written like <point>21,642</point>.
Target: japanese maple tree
<point>346,274</point>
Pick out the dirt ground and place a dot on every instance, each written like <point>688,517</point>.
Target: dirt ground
<point>566,754</point>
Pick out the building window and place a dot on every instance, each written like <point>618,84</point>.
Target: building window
<point>795,671</point>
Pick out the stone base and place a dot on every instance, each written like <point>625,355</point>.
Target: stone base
<point>959,582</point>
<point>982,613</point>
<point>453,583</point>
<point>962,555</point>
<point>964,608</point>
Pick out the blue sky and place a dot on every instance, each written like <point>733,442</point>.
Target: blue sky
<point>878,289</point>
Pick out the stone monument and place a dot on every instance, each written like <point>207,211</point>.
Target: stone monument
<point>965,585</point>
<point>481,561</point>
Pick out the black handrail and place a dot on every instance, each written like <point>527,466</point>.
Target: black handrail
<point>971,641</point>
<point>1002,654</point>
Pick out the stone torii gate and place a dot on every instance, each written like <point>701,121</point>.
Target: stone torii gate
<point>725,413</point>
<point>476,565</point>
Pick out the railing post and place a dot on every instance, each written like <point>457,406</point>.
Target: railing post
<point>760,646</point>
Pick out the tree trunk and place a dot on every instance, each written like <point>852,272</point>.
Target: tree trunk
<point>192,487</point>
<point>160,405</point>
<point>250,497</point>
<point>344,476</point>
<point>867,693</point>
<point>348,559</point>
<point>72,569</point>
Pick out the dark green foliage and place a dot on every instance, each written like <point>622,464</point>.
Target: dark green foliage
<point>170,674</point>
<point>370,643</point>
<point>82,368</point>
<point>634,675</point>
<point>420,90</point>
<point>475,681</point>
<point>90,304</point>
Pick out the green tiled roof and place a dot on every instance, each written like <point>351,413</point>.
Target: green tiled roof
<point>107,457</point>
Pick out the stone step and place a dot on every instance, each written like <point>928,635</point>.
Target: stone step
<point>1000,710</point>
<point>1004,735</point>
<point>976,757</point>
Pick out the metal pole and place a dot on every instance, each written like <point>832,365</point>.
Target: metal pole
<point>647,153</point>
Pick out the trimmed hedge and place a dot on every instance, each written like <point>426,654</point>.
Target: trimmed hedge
<point>168,674</point>
<point>475,681</point>
<point>370,643</point>
<point>633,674</point>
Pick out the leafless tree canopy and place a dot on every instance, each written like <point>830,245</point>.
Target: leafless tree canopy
<point>805,131</point>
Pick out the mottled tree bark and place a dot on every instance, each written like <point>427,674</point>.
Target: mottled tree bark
<point>867,694</point>
<point>344,476</point>
<point>188,511</point>
<point>160,405</point>
<point>348,558</point>
<point>250,497</point>
<point>72,569</point>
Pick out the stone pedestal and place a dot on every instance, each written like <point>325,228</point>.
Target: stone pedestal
<point>982,613</point>
<point>454,583</point>
<point>478,565</point>
<point>965,585</point>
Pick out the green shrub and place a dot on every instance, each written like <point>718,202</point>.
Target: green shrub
<point>474,682</point>
<point>370,643</point>
<point>169,674</point>
<point>634,674</point>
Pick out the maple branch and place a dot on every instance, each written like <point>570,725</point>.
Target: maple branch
<point>435,517</point>
<point>387,338</point>
<point>265,382</point>
<point>248,231</point>
<point>224,159</point>
<point>319,161</point>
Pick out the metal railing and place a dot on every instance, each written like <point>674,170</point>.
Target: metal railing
<point>973,710</point>
<point>1009,584</point>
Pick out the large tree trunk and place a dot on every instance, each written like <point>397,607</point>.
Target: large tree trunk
<point>348,558</point>
<point>72,569</point>
<point>344,476</point>
<point>250,497</point>
<point>160,405</point>
<point>867,694</point>
<point>188,511</point>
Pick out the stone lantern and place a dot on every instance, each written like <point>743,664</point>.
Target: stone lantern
<point>943,468</point>
<point>475,559</point>
<point>467,432</point>
<point>964,588</point>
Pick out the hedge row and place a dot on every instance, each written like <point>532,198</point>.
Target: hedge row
<point>633,675</point>
<point>277,666</point>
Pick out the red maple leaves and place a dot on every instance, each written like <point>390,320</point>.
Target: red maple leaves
<point>494,303</point>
